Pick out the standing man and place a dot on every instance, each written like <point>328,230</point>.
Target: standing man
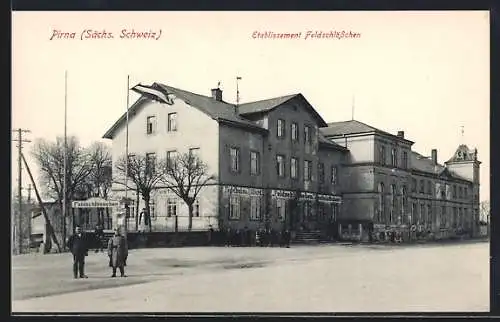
<point>77,244</point>
<point>118,253</point>
<point>99,234</point>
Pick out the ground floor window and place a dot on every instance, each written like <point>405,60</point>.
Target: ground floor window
<point>308,212</point>
<point>335,211</point>
<point>234,207</point>
<point>281,209</point>
<point>255,207</point>
<point>152,210</point>
<point>171,207</point>
<point>196,209</point>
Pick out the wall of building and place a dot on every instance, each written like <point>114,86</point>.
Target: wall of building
<point>245,141</point>
<point>195,129</point>
<point>361,148</point>
<point>192,124</point>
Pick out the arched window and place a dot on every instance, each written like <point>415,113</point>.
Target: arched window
<point>404,205</point>
<point>381,203</point>
<point>393,203</point>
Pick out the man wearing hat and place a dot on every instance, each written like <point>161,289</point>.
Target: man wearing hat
<point>118,253</point>
<point>78,246</point>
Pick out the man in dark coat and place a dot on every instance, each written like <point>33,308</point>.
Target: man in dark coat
<point>78,246</point>
<point>99,234</point>
<point>118,253</point>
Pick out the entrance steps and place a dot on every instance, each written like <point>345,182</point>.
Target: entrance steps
<point>308,237</point>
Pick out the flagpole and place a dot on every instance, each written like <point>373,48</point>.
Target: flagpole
<point>64,210</point>
<point>126,158</point>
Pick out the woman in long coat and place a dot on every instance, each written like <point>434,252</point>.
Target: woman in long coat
<point>118,253</point>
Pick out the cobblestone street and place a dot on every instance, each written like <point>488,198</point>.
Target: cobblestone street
<point>330,278</point>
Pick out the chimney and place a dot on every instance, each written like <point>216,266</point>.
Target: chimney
<point>217,94</point>
<point>401,134</point>
<point>434,156</point>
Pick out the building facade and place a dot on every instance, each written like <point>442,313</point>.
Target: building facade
<point>279,165</point>
<point>396,190</point>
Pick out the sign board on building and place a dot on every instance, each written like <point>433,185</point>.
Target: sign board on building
<point>309,196</point>
<point>232,190</point>
<point>95,203</point>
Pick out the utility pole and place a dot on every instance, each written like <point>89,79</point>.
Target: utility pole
<point>18,231</point>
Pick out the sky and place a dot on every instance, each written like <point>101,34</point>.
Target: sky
<point>426,73</point>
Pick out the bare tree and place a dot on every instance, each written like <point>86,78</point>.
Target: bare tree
<point>143,175</point>
<point>100,178</point>
<point>185,175</point>
<point>50,159</point>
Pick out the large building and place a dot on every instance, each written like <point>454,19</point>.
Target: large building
<point>278,164</point>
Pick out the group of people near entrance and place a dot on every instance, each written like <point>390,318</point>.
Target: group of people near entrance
<point>79,245</point>
<point>261,237</point>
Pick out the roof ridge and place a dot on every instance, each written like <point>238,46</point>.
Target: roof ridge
<point>271,98</point>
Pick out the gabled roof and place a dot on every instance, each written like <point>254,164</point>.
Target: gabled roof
<point>267,105</point>
<point>220,111</point>
<point>353,127</point>
<point>263,105</point>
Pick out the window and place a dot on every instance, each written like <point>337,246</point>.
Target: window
<point>414,213</point>
<point>381,203</point>
<point>422,186</point>
<point>130,162</point>
<point>255,208</point>
<point>234,208</point>
<point>307,170</point>
<point>429,220</point>
<point>382,155</point>
<point>442,192</point>
<point>235,159</point>
<point>281,128</point>
<point>454,191</point>
<point>150,124</point>
<point>393,202</point>
<point>194,152</point>
<point>394,157</point>
<point>281,209</point>
<point>152,211</point>
<point>405,160</point>
<point>421,216</point>
<point>334,176</point>
<point>321,172</point>
<point>196,209</point>
<point>454,221</point>
<point>335,211</point>
<point>413,185</point>
<point>307,209</point>
<point>171,155</point>
<point>295,131</point>
<point>443,216</point>
<point>429,187</point>
<point>172,122</point>
<point>466,193</point>
<point>404,201</point>
<point>280,165</point>
<point>171,207</point>
<point>294,168</point>
<point>254,163</point>
<point>307,134</point>
<point>150,163</point>
<point>460,192</point>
